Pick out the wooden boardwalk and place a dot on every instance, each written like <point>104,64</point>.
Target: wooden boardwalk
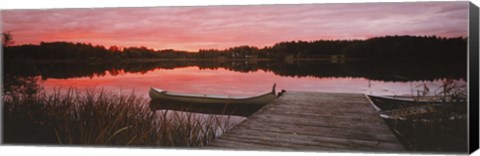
<point>312,121</point>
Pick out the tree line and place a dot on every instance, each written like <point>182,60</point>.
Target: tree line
<point>383,70</point>
<point>387,47</point>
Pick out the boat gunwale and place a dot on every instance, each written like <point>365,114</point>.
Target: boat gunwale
<point>199,96</point>
<point>218,98</point>
<point>402,99</point>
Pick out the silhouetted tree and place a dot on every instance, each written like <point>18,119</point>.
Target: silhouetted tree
<point>7,39</point>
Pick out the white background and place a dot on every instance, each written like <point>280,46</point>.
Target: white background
<point>82,151</point>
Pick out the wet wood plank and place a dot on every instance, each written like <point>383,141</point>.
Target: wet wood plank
<point>309,121</point>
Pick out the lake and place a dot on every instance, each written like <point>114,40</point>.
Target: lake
<point>244,78</point>
<point>236,78</point>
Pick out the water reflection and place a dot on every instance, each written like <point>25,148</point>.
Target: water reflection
<point>217,109</point>
<point>246,77</point>
<point>406,70</point>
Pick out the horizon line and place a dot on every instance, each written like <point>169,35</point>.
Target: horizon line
<point>197,50</point>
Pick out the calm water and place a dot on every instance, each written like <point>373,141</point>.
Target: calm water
<point>222,81</point>
<point>245,78</point>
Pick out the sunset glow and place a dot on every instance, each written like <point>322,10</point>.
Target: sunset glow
<point>193,28</point>
<point>223,82</point>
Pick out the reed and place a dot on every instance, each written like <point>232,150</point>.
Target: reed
<point>99,117</point>
<point>445,130</point>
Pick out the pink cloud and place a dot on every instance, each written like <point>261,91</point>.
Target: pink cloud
<point>192,28</point>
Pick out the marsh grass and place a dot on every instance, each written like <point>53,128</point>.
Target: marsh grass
<point>442,131</point>
<point>99,117</point>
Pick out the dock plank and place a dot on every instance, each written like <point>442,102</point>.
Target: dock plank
<point>313,140</point>
<point>320,131</point>
<point>312,121</point>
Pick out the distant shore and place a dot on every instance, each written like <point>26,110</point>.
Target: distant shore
<point>149,60</point>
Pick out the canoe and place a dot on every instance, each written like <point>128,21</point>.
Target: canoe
<point>383,103</point>
<point>400,108</point>
<point>404,108</point>
<point>408,112</point>
<point>205,99</point>
<point>217,109</point>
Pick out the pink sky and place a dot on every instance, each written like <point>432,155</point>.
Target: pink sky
<point>193,28</point>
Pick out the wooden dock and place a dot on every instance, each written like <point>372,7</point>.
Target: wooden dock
<point>307,121</point>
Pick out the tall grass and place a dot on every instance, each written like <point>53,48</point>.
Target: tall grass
<point>444,130</point>
<point>99,117</point>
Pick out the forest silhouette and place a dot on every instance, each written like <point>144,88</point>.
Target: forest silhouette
<point>389,58</point>
<point>387,47</point>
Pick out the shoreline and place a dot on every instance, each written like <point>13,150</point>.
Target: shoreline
<point>150,60</point>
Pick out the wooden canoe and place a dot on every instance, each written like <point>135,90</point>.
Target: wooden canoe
<point>217,109</point>
<point>205,99</point>
<point>384,103</point>
<point>400,108</point>
<point>403,108</point>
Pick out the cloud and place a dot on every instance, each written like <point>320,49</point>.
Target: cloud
<point>192,28</point>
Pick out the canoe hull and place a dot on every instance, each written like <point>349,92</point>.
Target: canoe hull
<point>257,100</point>
<point>218,109</point>
<point>209,104</point>
<point>386,103</point>
<point>402,108</point>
